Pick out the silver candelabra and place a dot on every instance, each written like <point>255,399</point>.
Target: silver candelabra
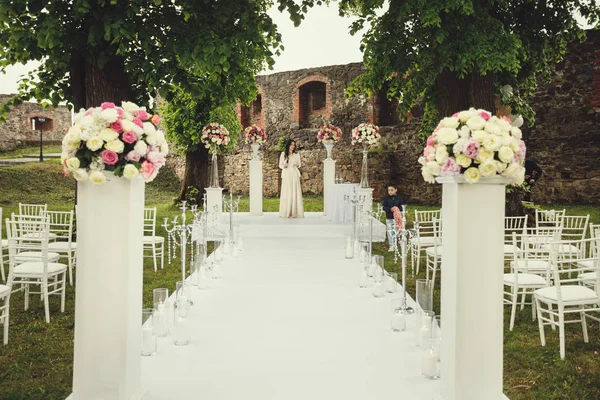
<point>373,215</point>
<point>402,236</point>
<point>355,200</point>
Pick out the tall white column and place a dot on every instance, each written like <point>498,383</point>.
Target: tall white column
<point>108,300</point>
<point>256,187</point>
<point>214,198</point>
<point>328,182</point>
<point>472,288</point>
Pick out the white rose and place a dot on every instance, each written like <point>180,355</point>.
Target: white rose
<point>72,137</point>
<point>97,164</point>
<point>472,175</point>
<point>492,128</point>
<point>516,133</point>
<point>464,132</point>
<point>476,123</point>
<point>441,154</point>
<point>515,172</point>
<point>514,145</point>
<point>86,121</point>
<point>480,136</point>
<point>73,164</point>
<point>451,122</point>
<point>130,171</point>
<point>427,175</point>
<point>433,167</point>
<point>492,142</point>
<point>141,147</point>
<point>80,175</point>
<point>500,166</point>
<point>152,140</point>
<point>115,145</point>
<point>85,135</point>
<point>447,135</point>
<point>213,139</point>
<point>505,154</point>
<point>219,141</point>
<point>164,148</point>
<point>149,129</point>
<point>94,143</point>
<point>108,134</point>
<point>130,107</point>
<point>138,131</point>
<point>464,116</point>
<point>506,139</point>
<point>484,155</point>
<point>421,160</point>
<point>127,125</point>
<point>463,160</point>
<point>504,125</point>
<point>97,178</point>
<point>488,168</point>
<point>110,115</point>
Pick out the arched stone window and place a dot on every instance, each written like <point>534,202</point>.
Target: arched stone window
<point>253,113</point>
<point>39,121</point>
<point>384,111</point>
<point>312,103</point>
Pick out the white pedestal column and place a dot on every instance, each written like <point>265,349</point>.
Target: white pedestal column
<point>368,195</point>
<point>328,182</point>
<point>108,300</point>
<point>256,187</point>
<point>472,271</point>
<point>214,198</point>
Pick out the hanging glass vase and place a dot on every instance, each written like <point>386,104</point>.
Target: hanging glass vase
<point>364,174</point>
<point>214,169</point>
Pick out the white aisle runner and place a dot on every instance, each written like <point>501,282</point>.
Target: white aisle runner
<point>288,321</point>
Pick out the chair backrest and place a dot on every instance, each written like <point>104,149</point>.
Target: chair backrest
<point>61,224</point>
<point>437,231</point>
<point>527,256</point>
<point>548,217</point>
<point>427,216</point>
<point>32,209</point>
<point>31,235</point>
<point>574,227</point>
<point>423,222</point>
<point>514,225</point>
<point>1,229</point>
<point>568,270</point>
<point>542,236</point>
<point>150,221</point>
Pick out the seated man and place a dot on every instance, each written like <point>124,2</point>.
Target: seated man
<point>532,173</point>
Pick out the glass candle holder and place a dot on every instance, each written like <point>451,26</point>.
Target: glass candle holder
<point>398,315</point>
<point>201,277</point>
<point>431,366</point>
<point>364,253</point>
<point>437,334</point>
<point>378,289</point>
<point>148,335</point>
<point>425,294</point>
<point>391,283</point>
<point>364,277</point>
<point>160,317</point>
<point>349,247</point>
<point>181,331</point>
<point>424,331</point>
<point>182,298</point>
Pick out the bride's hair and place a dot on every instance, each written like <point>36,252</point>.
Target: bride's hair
<point>287,148</point>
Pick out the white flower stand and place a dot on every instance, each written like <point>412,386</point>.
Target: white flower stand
<point>108,302</point>
<point>472,288</point>
<point>256,183</point>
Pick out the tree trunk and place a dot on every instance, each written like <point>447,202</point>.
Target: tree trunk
<point>481,92</point>
<point>196,172</point>
<point>452,93</point>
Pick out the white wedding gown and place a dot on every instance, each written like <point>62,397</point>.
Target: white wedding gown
<point>290,197</point>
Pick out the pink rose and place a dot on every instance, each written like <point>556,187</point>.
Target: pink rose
<point>472,148</point>
<point>147,169</point>
<point>520,155</point>
<point>155,157</point>
<point>431,141</point>
<point>107,104</point>
<point>109,157</point>
<point>120,112</point>
<point>505,118</point>
<point>455,115</point>
<point>155,119</point>
<point>133,156</point>
<point>450,167</point>
<point>89,111</point>
<point>129,137</point>
<point>116,126</point>
<point>143,115</point>
<point>138,122</point>
<point>485,115</point>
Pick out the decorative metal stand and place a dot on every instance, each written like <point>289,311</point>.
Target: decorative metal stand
<point>178,236</point>
<point>232,207</point>
<point>402,237</point>
<point>355,200</point>
<point>364,173</point>
<point>372,215</point>
<point>214,169</point>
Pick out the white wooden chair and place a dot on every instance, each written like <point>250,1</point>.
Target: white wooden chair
<point>434,253</point>
<point>423,238</point>
<point>544,218</point>
<point>32,209</point>
<point>512,225</point>
<point>588,278</point>
<point>50,276</point>
<point>568,296</point>
<point>26,229</point>
<point>574,229</point>
<point>5,292</point>
<point>523,280</point>
<point>61,225</point>
<point>152,242</point>
<point>3,246</point>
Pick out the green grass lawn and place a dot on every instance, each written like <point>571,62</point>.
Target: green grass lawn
<point>18,153</point>
<point>37,363</point>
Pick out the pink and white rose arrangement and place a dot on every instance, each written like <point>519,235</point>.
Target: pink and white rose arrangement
<point>329,134</point>
<point>215,136</point>
<point>476,144</point>
<point>367,134</point>
<point>254,134</point>
<point>124,140</point>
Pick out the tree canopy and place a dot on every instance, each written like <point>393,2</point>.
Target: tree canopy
<point>112,50</point>
<point>454,54</point>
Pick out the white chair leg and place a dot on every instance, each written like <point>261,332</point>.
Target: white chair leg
<point>540,323</point>
<point>561,333</point>
<point>162,255</point>
<point>26,297</point>
<point>63,292</point>
<point>2,266</point>
<point>513,311</point>
<point>586,338</point>
<point>154,255</point>
<point>46,301</point>
<point>70,265</point>
<point>6,322</point>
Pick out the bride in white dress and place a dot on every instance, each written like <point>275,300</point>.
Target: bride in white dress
<point>290,202</point>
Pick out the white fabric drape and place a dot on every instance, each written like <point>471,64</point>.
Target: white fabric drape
<point>290,198</point>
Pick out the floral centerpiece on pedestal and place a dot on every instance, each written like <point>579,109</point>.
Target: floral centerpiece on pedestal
<point>254,134</point>
<point>329,134</point>
<point>215,137</point>
<point>475,144</point>
<point>368,135</point>
<point>123,140</point>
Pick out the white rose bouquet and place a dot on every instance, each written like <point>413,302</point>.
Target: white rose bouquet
<point>123,140</point>
<point>329,134</point>
<point>215,136</point>
<point>367,134</point>
<point>254,134</point>
<point>476,144</point>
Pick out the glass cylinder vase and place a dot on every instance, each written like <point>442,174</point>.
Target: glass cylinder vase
<point>364,173</point>
<point>214,169</point>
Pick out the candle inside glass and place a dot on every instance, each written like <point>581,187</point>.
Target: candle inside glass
<point>364,279</point>
<point>148,340</point>
<point>430,365</point>
<point>378,289</point>
<point>160,321</point>
<point>398,321</point>
<point>391,283</point>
